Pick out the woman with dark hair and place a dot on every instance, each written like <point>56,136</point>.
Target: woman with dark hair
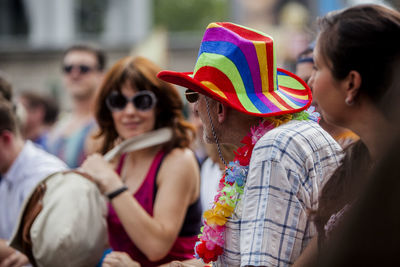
<point>354,57</point>
<point>154,209</point>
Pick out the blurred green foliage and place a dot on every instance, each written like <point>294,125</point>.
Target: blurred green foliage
<point>189,15</point>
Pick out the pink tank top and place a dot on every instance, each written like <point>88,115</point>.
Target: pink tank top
<point>119,239</point>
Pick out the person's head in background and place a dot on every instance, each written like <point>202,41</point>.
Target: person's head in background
<point>304,69</point>
<point>133,101</point>
<point>41,113</point>
<point>11,142</point>
<point>305,64</point>
<point>83,67</point>
<point>6,90</point>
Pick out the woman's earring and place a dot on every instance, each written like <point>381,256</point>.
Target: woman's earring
<point>349,101</point>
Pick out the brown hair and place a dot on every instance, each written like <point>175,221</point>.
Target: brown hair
<point>97,52</point>
<point>48,103</point>
<point>369,234</point>
<point>141,74</point>
<point>363,38</point>
<point>5,88</point>
<point>8,119</point>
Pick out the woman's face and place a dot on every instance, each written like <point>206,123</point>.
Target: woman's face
<point>327,91</point>
<point>130,121</point>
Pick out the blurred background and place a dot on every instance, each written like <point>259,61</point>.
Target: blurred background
<point>34,33</point>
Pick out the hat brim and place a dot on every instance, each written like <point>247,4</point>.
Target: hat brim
<point>281,95</point>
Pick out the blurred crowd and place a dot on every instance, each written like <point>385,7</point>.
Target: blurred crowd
<point>258,166</point>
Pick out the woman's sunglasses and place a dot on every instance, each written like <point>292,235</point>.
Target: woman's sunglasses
<point>142,101</point>
<point>191,96</point>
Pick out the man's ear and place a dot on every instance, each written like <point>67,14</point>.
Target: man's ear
<point>353,83</point>
<point>5,137</point>
<point>222,112</point>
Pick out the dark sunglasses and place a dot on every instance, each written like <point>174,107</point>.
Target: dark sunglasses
<point>191,96</point>
<point>142,101</point>
<point>83,69</point>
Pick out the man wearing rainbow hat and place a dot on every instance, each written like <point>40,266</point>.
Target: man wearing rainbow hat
<point>260,215</point>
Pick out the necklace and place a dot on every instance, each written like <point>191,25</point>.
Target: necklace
<point>231,186</point>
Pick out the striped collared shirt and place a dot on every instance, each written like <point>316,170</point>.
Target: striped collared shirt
<point>270,225</point>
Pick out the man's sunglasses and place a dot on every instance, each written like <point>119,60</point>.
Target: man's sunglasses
<point>191,96</point>
<point>83,69</point>
<point>142,101</point>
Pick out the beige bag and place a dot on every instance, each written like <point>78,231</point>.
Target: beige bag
<point>63,221</point>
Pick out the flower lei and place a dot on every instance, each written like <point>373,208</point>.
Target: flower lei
<point>231,187</point>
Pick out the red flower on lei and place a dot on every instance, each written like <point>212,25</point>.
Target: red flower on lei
<point>206,254</point>
<point>243,154</point>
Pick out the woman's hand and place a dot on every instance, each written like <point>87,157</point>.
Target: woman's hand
<point>102,173</point>
<point>16,259</point>
<point>187,263</point>
<point>116,259</point>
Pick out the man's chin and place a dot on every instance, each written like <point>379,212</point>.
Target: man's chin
<point>208,139</point>
<point>80,96</point>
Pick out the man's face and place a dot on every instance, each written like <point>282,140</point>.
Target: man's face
<point>304,70</point>
<point>81,74</point>
<point>200,107</point>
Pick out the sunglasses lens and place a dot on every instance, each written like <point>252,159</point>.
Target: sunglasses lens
<point>191,96</point>
<point>144,100</point>
<point>67,68</point>
<point>84,69</point>
<point>116,101</point>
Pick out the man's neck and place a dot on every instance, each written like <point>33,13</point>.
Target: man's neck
<point>83,107</point>
<point>238,127</point>
<point>35,132</point>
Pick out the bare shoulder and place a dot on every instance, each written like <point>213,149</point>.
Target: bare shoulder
<point>180,162</point>
<point>181,156</point>
<point>180,173</point>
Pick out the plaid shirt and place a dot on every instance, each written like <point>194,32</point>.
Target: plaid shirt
<point>288,168</point>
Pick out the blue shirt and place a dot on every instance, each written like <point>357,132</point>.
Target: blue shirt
<point>31,166</point>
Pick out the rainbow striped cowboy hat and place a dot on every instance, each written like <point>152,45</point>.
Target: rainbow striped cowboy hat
<point>236,65</point>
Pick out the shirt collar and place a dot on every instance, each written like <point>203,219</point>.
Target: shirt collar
<point>12,175</point>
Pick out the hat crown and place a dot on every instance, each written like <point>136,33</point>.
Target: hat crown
<point>237,66</point>
<point>241,55</point>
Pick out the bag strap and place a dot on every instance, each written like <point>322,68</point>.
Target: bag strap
<point>149,139</point>
<point>32,210</point>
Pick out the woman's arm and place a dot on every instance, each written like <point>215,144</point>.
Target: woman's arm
<point>309,254</point>
<point>178,187</point>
